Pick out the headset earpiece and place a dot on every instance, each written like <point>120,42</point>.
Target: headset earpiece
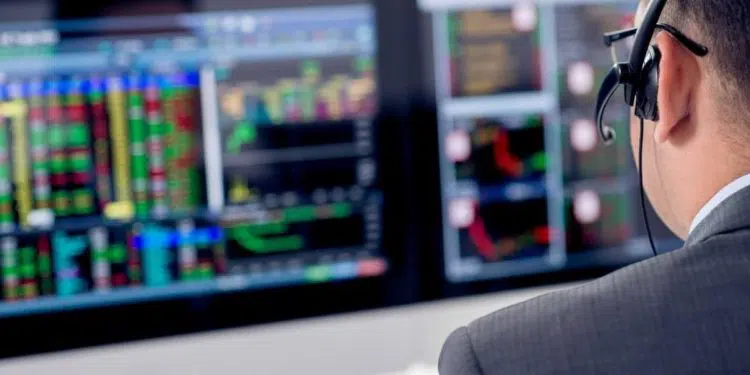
<point>639,76</point>
<point>647,93</point>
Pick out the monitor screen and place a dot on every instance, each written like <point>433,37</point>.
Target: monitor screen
<point>170,155</point>
<point>527,187</point>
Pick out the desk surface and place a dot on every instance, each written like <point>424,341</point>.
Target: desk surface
<point>387,341</point>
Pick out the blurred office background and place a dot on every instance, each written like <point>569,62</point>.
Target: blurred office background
<point>298,186</point>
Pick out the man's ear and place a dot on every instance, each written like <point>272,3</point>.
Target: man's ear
<point>679,75</point>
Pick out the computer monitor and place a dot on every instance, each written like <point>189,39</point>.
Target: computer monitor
<point>156,156</point>
<point>527,187</point>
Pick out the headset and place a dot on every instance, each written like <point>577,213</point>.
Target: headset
<point>639,77</point>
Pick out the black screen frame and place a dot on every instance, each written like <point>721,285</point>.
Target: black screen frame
<point>82,328</point>
<point>435,285</point>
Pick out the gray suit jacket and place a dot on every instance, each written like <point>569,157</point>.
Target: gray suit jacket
<point>684,312</point>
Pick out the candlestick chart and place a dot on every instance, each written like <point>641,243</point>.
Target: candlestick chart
<point>259,99</point>
<point>507,231</point>
<point>116,147</point>
<point>504,150</point>
<point>290,125</point>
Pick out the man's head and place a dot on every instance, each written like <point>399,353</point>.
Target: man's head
<point>700,142</point>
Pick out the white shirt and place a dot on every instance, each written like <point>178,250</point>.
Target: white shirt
<point>719,197</point>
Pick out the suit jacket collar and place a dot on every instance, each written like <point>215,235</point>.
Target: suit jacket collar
<point>731,215</point>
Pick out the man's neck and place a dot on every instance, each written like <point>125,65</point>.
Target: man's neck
<point>711,189</point>
<point>720,196</point>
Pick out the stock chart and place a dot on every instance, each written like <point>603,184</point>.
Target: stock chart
<point>505,149</point>
<point>293,143</point>
<point>80,153</point>
<point>504,163</point>
<point>290,133</point>
<point>527,186</point>
<point>168,170</point>
<point>508,230</point>
<point>500,208</point>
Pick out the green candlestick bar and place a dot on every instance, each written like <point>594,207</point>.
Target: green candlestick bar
<point>310,213</point>
<point>264,229</point>
<point>139,157</point>
<point>538,162</point>
<point>243,133</point>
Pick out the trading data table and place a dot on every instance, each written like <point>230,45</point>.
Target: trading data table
<point>527,187</point>
<point>165,156</point>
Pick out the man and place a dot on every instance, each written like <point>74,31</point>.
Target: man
<point>685,312</point>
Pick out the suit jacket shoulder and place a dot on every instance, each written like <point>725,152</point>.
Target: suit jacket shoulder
<point>685,312</point>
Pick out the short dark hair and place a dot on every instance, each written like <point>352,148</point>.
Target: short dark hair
<point>724,27</point>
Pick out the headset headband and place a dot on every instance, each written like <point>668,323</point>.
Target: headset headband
<point>640,47</point>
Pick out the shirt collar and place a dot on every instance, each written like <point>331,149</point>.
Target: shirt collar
<point>720,197</point>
